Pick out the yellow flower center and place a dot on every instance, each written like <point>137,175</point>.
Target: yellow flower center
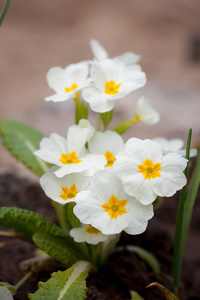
<point>68,159</point>
<point>135,119</point>
<point>69,193</point>
<point>110,159</point>
<point>115,207</point>
<point>90,229</point>
<point>149,169</point>
<point>69,89</point>
<point>111,88</point>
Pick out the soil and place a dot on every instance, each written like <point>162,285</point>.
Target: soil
<point>124,271</point>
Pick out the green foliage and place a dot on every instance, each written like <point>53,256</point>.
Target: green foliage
<point>28,222</point>
<point>64,285</point>
<point>186,203</point>
<point>61,248</point>
<point>8,286</point>
<point>123,126</point>
<point>4,11</point>
<point>81,111</point>
<point>22,140</point>
<point>106,118</point>
<point>135,296</point>
<point>147,257</point>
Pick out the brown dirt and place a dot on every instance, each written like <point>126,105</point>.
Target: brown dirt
<point>124,271</point>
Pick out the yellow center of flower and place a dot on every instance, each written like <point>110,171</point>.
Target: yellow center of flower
<point>115,207</point>
<point>69,193</point>
<point>110,159</point>
<point>135,119</point>
<point>68,159</point>
<point>69,89</point>
<point>111,88</point>
<point>149,169</point>
<point>90,229</point>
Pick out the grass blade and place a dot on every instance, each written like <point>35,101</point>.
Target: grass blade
<point>4,11</point>
<point>177,259</point>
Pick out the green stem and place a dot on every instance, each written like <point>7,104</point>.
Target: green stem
<point>4,11</point>
<point>23,280</point>
<point>60,213</point>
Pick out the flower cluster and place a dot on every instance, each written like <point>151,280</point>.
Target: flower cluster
<point>112,183</point>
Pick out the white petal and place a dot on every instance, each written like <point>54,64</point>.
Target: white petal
<point>59,97</point>
<point>171,180</point>
<point>173,160</point>
<point>97,100</point>
<point>98,51</point>
<point>106,141</point>
<point>128,58</point>
<point>140,188</point>
<point>77,138</point>
<point>137,216</point>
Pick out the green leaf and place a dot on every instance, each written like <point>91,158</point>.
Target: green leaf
<point>4,11</point>
<point>135,296</point>
<point>63,249</point>
<point>28,222</point>
<point>189,203</point>
<point>64,285</point>
<point>70,217</point>
<point>8,286</point>
<point>146,256</point>
<point>106,118</point>
<point>177,259</point>
<point>22,140</point>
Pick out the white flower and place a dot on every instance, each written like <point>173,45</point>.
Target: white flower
<point>108,208</point>
<point>100,54</point>
<point>70,154</point>
<point>112,80</point>
<point>84,123</point>
<point>174,145</point>
<point>67,82</point>
<point>146,173</point>
<point>63,190</point>
<point>145,112</point>
<point>108,143</point>
<point>89,234</point>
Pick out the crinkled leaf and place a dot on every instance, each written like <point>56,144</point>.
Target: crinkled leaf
<point>64,285</point>
<point>22,140</point>
<point>63,249</point>
<point>28,222</point>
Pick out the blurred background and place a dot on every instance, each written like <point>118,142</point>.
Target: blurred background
<point>37,35</point>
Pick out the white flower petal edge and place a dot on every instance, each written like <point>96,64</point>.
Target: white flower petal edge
<point>145,112</point>
<point>146,173</point>
<point>113,211</point>
<point>89,234</point>
<point>174,145</point>
<point>70,154</point>
<point>100,54</point>
<point>63,190</point>
<point>107,143</point>
<point>112,80</point>
<point>67,82</point>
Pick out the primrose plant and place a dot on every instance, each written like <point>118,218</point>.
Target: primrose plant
<point>99,184</point>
